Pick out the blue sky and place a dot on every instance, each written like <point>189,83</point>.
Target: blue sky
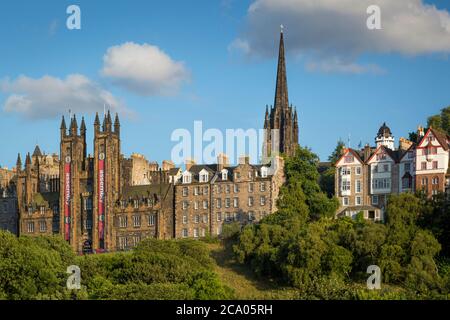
<point>224,85</point>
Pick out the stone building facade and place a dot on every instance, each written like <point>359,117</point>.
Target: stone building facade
<point>106,202</point>
<point>209,196</point>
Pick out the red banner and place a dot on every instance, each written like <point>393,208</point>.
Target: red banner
<point>67,187</point>
<point>101,197</point>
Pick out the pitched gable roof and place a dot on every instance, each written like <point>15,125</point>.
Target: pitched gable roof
<point>353,152</point>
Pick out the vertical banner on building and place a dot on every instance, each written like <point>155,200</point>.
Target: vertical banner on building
<point>67,197</point>
<point>101,199</point>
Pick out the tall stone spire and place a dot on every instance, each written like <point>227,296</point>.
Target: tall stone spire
<point>281,124</point>
<point>281,90</point>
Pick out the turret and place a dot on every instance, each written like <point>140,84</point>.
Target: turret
<point>96,123</point>
<point>117,125</point>
<point>18,163</point>
<point>63,128</point>
<point>74,126</point>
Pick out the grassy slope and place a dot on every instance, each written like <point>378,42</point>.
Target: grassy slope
<point>245,284</point>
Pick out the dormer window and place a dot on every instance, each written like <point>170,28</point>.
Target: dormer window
<point>187,177</point>
<point>204,176</point>
<point>264,171</point>
<point>224,173</point>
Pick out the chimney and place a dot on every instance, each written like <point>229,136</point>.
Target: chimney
<point>367,152</point>
<point>222,161</point>
<point>244,159</point>
<point>404,144</point>
<point>167,165</point>
<point>189,163</point>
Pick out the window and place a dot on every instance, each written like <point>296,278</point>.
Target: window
<point>262,200</point>
<point>250,187</point>
<point>219,188</point>
<point>435,181</point>
<point>349,159</point>
<point>136,221</point>
<point>122,204</point>
<point>123,222</point>
<point>407,167</point>
<point>185,191</point>
<point>227,202</point>
<point>205,190</point>
<point>196,191</point>
<point>42,226</point>
<point>358,171</point>
<point>250,175</point>
<point>30,210</point>
<point>375,199</point>
<point>250,201</point>
<point>30,227</point>
<point>435,164</point>
<point>383,183</point>
<point>88,224</point>
<point>196,218</point>
<point>224,174</point>
<point>375,168</point>
<point>204,177</point>
<point>136,204</point>
<point>227,216</point>
<point>227,188</point>
<point>185,233</point>
<point>358,201</point>
<point>235,202</point>
<point>410,154</point>
<point>123,243</point>
<point>237,175</point>
<point>185,204</point>
<point>381,156</point>
<point>205,204</point>
<point>151,220</point>
<point>264,172</point>
<point>358,186</point>
<point>345,201</point>
<point>219,216</point>
<point>195,232</point>
<point>187,177</point>
<point>346,185</point>
<point>42,210</point>
<point>185,219</point>
<point>251,216</point>
<point>202,232</point>
<point>262,187</point>
<point>424,181</point>
<point>219,203</point>
<point>195,205</point>
<point>345,171</point>
<point>205,218</point>
<point>406,182</point>
<point>236,188</point>
<point>386,168</point>
<point>423,165</point>
<point>136,240</point>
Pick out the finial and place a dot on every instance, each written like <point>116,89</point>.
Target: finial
<point>281,28</point>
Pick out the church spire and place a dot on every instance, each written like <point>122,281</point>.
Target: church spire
<point>281,91</point>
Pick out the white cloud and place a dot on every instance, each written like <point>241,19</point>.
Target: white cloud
<point>50,96</point>
<point>335,30</point>
<point>336,65</point>
<point>144,69</point>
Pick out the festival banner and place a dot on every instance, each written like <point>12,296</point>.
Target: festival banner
<point>101,198</point>
<point>67,197</point>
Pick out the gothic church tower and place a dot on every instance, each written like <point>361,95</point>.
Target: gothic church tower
<point>280,124</point>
